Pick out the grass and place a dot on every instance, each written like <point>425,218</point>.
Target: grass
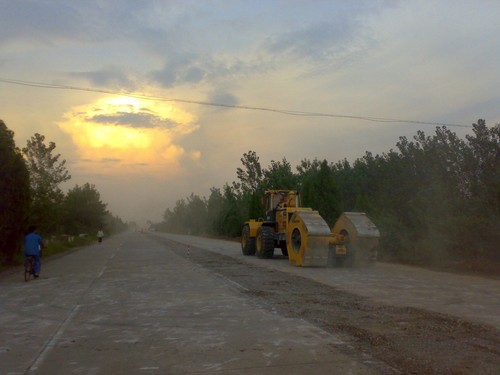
<point>53,247</point>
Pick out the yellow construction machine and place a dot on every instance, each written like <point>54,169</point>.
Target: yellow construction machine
<point>304,236</point>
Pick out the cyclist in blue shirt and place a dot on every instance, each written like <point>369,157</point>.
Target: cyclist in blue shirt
<point>33,244</point>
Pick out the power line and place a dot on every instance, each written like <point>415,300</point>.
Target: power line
<point>265,109</point>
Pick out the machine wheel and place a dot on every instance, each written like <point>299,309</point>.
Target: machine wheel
<point>296,240</point>
<point>284,249</point>
<point>247,242</point>
<point>265,242</point>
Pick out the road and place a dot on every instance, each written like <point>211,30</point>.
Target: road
<point>168,304</point>
<point>472,298</point>
<point>132,306</point>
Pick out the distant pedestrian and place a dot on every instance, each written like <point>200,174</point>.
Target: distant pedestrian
<point>33,245</point>
<point>100,235</point>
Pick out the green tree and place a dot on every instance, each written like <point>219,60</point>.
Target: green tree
<point>250,188</point>
<point>176,218</point>
<point>251,176</point>
<point>279,175</point>
<point>432,197</point>
<point>114,224</point>
<point>482,167</point>
<point>47,172</point>
<point>320,191</point>
<point>215,212</point>
<point>14,192</point>
<point>196,222</point>
<point>344,176</point>
<point>481,174</point>
<point>439,200</point>
<point>233,212</point>
<point>83,210</point>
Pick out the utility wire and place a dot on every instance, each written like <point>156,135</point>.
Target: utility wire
<point>266,109</point>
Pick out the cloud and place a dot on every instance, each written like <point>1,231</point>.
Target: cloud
<point>109,77</point>
<point>52,21</point>
<point>177,74</point>
<point>316,40</point>
<point>194,74</point>
<point>223,97</point>
<point>179,70</point>
<point>336,36</point>
<point>134,120</point>
<point>187,39</point>
<point>37,21</point>
<point>329,43</point>
<point>117,135</point>
<point>110,160</point>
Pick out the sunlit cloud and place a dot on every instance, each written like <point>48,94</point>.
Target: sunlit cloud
<point>195,155</point>
<point>122,135</point>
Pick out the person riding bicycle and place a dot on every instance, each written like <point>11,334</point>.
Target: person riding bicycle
<point>33,244</point>
<point>100,235</point>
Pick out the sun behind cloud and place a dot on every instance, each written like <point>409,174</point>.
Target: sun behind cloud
<point>124,134</point>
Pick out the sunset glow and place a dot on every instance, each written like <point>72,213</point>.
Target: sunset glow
<point>130,132</point>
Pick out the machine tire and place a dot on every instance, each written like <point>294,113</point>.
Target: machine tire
<point>296,240</point>
<point>284,249</point>
<point>265,242</point>
<point>247,242</point>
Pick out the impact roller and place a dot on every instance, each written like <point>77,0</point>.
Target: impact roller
<point>308,239</point>
<point>359,235</point>
<point>305,237</point>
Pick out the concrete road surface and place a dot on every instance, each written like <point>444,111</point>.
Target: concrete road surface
<point>131,306</point>
<point>471,298</point>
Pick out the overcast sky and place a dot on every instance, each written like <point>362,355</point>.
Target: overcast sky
<point>428,61</point>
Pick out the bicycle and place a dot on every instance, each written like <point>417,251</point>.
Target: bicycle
<point>29,267</point>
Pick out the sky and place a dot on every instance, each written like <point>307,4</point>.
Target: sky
<point>153,100</point>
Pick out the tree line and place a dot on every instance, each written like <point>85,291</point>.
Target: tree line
<point>31,194</point>
<point>433,198</point>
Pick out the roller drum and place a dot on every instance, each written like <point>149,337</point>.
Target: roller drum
<point>308,237</point>
<point>361,234</point>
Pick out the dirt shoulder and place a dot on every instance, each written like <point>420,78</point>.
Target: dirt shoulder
<point>478,266</point>
<point>410,340</point>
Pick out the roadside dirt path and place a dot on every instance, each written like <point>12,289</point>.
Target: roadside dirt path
<point>409,339</point>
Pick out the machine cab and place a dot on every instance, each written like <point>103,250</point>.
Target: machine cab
<point>280,200</point>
